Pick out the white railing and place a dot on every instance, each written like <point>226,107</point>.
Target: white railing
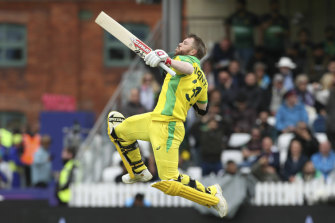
<point>292,194</point>
<point>116,195</point>
<point>266,194</point>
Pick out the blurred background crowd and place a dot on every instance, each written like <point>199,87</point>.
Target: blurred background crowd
<point>277,88</point>
<point>261,83</point>
<point>271,114</point>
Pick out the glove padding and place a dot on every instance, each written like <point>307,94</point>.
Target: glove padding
<point>155,57</point>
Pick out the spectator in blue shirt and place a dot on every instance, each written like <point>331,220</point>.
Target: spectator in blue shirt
<point>41,167</point>
<point>324,160</point>
<point>137,201</point>
<point>263,79</point>
<point>290,113</point>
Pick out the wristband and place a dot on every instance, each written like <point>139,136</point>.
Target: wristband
<point>168,61</point>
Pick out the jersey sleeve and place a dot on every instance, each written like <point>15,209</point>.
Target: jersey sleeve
<point>184,58</point>
<point>203,99</point>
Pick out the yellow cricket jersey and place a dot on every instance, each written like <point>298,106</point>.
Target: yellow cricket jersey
<point>180,92</point>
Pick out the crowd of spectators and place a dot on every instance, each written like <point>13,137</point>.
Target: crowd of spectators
<point>252,81</point>
<point>25,159</point>
<point>291,81</point>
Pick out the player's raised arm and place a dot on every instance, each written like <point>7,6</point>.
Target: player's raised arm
<point>157,56</point>
<point>191,46</point>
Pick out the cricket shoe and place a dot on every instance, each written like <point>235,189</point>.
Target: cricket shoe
<point>114,119</point>
<point>143,176</point>
<point>222,206</point>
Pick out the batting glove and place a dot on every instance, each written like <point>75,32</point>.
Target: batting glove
<point>155,57</point>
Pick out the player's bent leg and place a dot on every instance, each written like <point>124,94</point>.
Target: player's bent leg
<point>129,152</point>
<point>166,149</point>
<point>187,188</point>
<point>193,190</point>
<point>133,156</point>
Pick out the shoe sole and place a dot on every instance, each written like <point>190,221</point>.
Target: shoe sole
<point>137,180</point>
<point>224,204</point>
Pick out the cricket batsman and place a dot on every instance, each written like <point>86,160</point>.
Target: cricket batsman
<point>164,127</point>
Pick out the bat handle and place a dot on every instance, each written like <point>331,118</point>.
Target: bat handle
<point>167,69</point>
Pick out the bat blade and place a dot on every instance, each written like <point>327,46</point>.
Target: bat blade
<point>126,37</point>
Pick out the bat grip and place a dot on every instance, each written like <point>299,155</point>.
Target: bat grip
<point>167,69</point>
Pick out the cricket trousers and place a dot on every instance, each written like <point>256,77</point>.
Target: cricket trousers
<point>165,138</point>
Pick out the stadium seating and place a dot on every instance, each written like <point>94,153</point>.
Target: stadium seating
<point>238,139</point>
<point>282,144</point>
<point>234,155</point>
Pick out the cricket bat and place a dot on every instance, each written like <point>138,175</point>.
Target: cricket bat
<point>127,38</point>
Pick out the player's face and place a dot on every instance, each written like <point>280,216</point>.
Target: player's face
<point>185,47</point>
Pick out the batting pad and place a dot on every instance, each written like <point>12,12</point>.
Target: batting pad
<point>124,160</point>
<point>175,188</point>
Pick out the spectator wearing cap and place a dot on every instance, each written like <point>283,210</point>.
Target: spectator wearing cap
<point>292,53</point>
<point>286,65</point>
<point>290,113</point>
<point>277,93</point>
<point>303,93</point>
<point>324,160</point>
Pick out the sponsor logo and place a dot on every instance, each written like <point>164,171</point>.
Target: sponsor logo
<point>140,48</point>
<point>113,119</point>
<point>116,119</point>
<point>160,53</point>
